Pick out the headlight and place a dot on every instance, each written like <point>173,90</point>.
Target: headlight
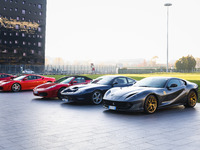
<point>51,86</point>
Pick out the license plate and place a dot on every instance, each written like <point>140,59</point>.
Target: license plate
<point>65,100</point>
<point>112,107</point>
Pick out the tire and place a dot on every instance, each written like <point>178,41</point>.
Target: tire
<point>97,97</point>
<point>191,99</point>
<point>16,87</point>
<point>150,104</point>
<point>59,93</point>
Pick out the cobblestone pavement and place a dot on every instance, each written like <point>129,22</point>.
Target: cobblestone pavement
<point>28,122</point>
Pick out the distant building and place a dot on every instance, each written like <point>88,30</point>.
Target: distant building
<point>22,35</point>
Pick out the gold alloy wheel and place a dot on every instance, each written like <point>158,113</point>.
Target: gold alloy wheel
<point>192,99</point>
<point>151,104</point>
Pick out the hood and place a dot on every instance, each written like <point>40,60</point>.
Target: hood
<point>83,87</point>
<point>45,85</point>
<point>122,93</point>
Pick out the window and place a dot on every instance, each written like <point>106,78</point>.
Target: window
<point>4,8</point>
<point>174,83</point>
<point>16,9</point>
<point>5,42</point>
<point>40,13</point>
<point>17,26</point>
<point>17,18</point>
<point>32,51</point>
<point>24,54</point>
<point>23,34</point>
<point>39,44</point>
<point>24,43</point>
<point>16,42</point>
<point>23,2</point>
<point>4,51</point>
<point>120,81</point>
<point>39,6</point>
<point>25,26</point>
<point>23,11</point>
<point>39,29</point>
<point>79,80</point>
<point>17,34</point>
<point>11,9</point>
<point>23,18</point>
<point>15,51</point>
<point>131,81</point>
<point>10,42</point>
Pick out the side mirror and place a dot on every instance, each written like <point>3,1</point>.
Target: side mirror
<point>74,82</point>
<point>173,85</point>
<point>114,83</point>
<point>24,79</point>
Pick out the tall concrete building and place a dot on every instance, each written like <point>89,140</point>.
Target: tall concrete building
<point>22,35</point>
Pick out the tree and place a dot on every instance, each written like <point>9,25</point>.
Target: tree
<point>187,63</point>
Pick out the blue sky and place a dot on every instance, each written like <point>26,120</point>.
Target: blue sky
<point>110,30</point>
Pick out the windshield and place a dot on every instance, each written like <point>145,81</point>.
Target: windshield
<point>60,80</point>
<point>151,82</point>
<point>105,80</point>
<point>19,78</point>
<point>68,80</point>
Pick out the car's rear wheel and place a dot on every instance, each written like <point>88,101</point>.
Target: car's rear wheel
<point>150,104</point>
<point>191,99</point>
<point>97,97</point>
<point>16,87</point>
<point>59,93</point>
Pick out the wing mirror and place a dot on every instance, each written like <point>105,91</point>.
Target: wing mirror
<point>74,82</point>
<point>25,79</point>
<point>172,86</point>
<point>115,83</point>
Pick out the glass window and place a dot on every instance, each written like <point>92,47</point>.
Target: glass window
<point>174,83</point>
<point>39,6</point>
<point>15,51</point>
<point>39,44</point>
<point>23,34</point>
<point>23,11</point>
<point>120,81</point>
<point>39,29</point>
<point>79,80</point>
<point>17,26</point>
<point>17,18</point>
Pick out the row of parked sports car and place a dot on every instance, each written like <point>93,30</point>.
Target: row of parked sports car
<point>116,92</point>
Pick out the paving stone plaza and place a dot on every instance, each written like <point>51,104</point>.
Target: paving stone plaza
<point>31,123</point>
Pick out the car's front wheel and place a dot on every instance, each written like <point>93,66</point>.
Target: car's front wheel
<point>150,104</point>
<point>59,93</point>
<point>191,99</point>
<point>16,87</point>
<point>97,97</point>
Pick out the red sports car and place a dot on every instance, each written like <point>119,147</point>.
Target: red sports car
<point>4,76</point>
<point>54,89</point>
<point>24,82</point>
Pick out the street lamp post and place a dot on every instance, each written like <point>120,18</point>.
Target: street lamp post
<point>167,4</point>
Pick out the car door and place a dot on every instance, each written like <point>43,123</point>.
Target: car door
<point>28,82</point>
<point>174,91</point>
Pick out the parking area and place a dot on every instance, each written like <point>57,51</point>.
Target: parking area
<point>32,123</point>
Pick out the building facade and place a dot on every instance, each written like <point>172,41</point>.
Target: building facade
<point>22,35</point>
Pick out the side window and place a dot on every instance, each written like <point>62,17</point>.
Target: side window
<point>38,77</point>
<point>79,80</point>
<point>131,81</point>
<point>174,83</point>
<point>120,81</point>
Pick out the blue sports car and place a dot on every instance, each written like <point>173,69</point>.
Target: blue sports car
<point>94,91</point>
<point>152,93</point>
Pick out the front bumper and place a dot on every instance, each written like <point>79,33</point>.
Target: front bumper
<point>45,93</point>
<point>123,106</point>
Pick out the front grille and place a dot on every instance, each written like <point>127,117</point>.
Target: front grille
<point>43,94</point>
<point>119,105</point>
